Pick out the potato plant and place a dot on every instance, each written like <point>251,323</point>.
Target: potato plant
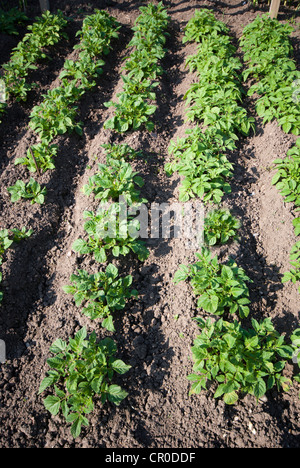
<point>114,180</point>
<point>31,190</point>
<point>120,152</point>
<point>240,361</point>
<point>110,232</point>
<point>222,288</point>
<point>101,293</point>
<point>9,20</point>
<point>82,370</point>
<point>294,274</point>
<point>220,227</point>
<point>200,158</point>
<point>287,180</point>
<point>287,177</point>
<point>215,98</point>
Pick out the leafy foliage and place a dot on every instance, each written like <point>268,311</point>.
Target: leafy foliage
<point>30,191</point>
<point>213,102</point>
<point>222,288</point>
<point>54,116</point>
<point>220,227</point>
<point>294,274</point>
<point>114,180</point>
<point>202,24</point>
<point>79,371</point>
<point>200,158</point>
<point>57,114</point>
<point>214,98</point>
<point>5,243</point>
<point>295,338</point>
<point>134,109</point>
<point>240,361</point>
<point>287,178</point>
<point>103,293</point>
<point>110,230</point>
<point>267,51</point>
<point>120,152</point>
<point>40,157</point>
<point>45,32</point>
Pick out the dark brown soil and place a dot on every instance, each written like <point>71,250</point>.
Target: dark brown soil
<point>155,332</point>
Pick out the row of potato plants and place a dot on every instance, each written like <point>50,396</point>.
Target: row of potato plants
<point>57,114</point>
<point>81,367</point>
<point>99,295</point>
<point>84,368</point>
<point>268,53</point>
<point>214,99</point>
<point>135,103</point>
<point>240,361</point>
<point>47,31</point>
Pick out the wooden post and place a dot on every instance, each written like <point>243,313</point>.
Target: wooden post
<point>44,5</point>
<point>274,8</point>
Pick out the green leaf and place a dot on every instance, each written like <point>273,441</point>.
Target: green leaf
<point>76,428</point>
<point>208,303</point>
<point>230,398</point>
<point>108,324</point>
<point>259,389</point>
<point>47,382</point>
<point>182,274</point>
<point>120,367</point>
<point>52,404</point>
<point>116,395</point>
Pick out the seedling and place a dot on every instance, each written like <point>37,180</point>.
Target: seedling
<point>114,180</point>
<point>222,288</point>
<point>111,231</point>
<point>30,191</point>
<point>120,152</point>
<point>220,227</point>
<point>5,243</point>
<point>102,293</point>
<point>39,157</point>
<point>241,361</point>
<point>79,371</point>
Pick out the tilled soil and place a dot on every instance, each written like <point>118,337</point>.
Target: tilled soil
<point>155,332</point>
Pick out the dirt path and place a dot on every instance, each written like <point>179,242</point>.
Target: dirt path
<point>155,332</point>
